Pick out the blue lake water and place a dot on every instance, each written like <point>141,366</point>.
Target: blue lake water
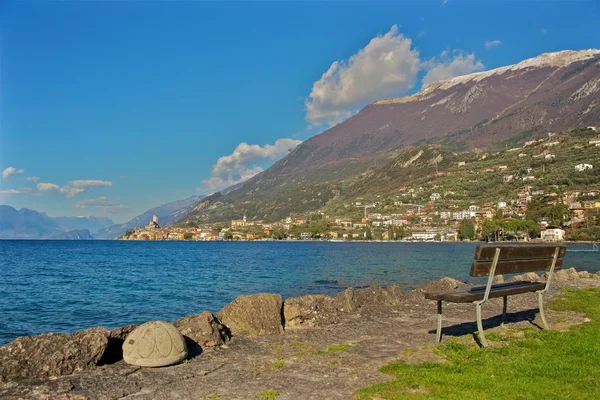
<point>64,286</point>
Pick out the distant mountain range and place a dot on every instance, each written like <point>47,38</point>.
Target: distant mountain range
<point>31,224</point>
<point>494,109</point>
<point>167,214</point>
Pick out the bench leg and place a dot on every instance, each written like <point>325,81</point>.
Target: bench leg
<point>480,325</point>
<point>504,306</point>
<point>541,302</point>
<point>438,335</point>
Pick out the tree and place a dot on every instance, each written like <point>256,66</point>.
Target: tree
<point>187,236</point>
<point>466,230</point>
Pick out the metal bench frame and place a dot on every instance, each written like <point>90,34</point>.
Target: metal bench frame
<point>488,289</point>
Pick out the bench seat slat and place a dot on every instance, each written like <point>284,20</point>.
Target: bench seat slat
<point>487,252</point>
<point>482,268</point>
<point>470,294</point>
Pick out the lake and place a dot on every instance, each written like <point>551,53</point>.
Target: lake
<point>64,286</point>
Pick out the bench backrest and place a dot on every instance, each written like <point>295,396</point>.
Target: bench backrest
<point>516,258</point>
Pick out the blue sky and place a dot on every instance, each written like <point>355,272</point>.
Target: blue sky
<point>109,108</point>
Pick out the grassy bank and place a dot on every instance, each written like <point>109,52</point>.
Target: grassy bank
<point>526,364</point>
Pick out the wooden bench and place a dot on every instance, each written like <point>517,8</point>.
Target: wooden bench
<point>492,260</point>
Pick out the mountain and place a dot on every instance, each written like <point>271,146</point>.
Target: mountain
<point>92,224</point>
<point>26,224</point>
<point>31,224</point>
<point>167,214</point>
<point>488,110</point>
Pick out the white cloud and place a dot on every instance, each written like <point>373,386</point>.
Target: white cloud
<point>9,171</point>
<point>18,192</point>
<point>33,179</point>
<point>444,2</point>
<point>446,67</point>
<point>53,187</point>
<point>87,183</point>
<point>242,165</point>
<point>70,191</point>
<point>47,187</point>
<point>492,43</point>
<point>101,203</point>
<point>385,67</point>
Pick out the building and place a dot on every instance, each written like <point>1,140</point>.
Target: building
<point>239,223</point>
<point>306,236</point>
<point>427,235</point>
<point>583,167</point>
<point>553,235</point>
<point>508,178</point>
<point>435,196</point>
<point>152,225</point>
<point>459,215</point>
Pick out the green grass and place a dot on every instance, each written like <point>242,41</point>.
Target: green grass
<point>280,363</point>
<point>530,364</point>
<point>268,394</point>
<point>334,348</point>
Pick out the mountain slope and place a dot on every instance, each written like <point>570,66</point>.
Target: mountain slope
<point>167,214</point>
<point>492,109</point>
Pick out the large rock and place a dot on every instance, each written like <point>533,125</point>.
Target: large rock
<point>308,311</point>
<point>585,274</point>
<point>52,354</point>
<point>202,329</point>
<point>255,314</point>
<point>564,275</point>
<point>154,344</point>
<point>352,299</point>
<point>528,277</point>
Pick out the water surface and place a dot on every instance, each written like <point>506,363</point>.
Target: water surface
<point>64,286</point>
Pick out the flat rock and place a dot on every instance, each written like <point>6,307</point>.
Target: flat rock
<point>439,285</point>
<point>308,311</point>
<point>52,354</point>
<point>352,299</point>
<point>154,344</point>
<point>202,329</point>
<point>255,314</point>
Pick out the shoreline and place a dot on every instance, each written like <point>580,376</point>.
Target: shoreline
<point>362,329</point>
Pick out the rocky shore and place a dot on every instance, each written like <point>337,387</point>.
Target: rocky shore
<point>260,346</point>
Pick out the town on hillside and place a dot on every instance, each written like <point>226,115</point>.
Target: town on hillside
<point>536,191</point>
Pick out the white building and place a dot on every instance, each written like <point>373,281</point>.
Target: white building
<point>501,204</point>
<point>463,215</point>
<point>427,235</point>
<point>445,214</point>
<point>435,196</point>
<point>583,167</point>
<point>553,235</point>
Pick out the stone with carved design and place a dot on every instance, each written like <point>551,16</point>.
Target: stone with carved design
<point>154,344</point>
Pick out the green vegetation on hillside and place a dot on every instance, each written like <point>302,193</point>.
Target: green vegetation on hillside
<point>534,365</point>
<point>386,178</point>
